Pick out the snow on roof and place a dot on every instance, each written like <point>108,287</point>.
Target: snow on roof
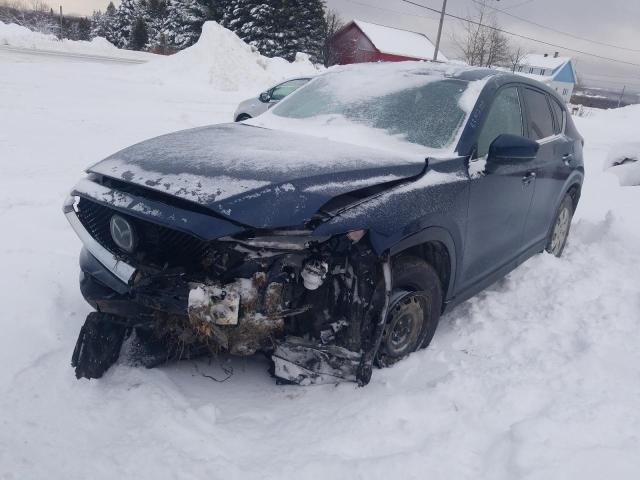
<point>395,41</point>
<point>540,61</point>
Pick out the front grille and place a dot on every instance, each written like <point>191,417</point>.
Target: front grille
<point>158,246</point>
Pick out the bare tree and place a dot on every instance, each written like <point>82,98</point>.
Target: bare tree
<point>516,55</point>
<point>35,15</point>
<point>334,23</point>
<point>481,43</point>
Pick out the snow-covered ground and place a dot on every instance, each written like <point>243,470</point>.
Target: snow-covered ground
<point>536,378</point>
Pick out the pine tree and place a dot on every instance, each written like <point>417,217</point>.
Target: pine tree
<point>255,22</point>
<point>111,10</point>
<point>184,22</point>
<point>84,29</point>
<point>139,35</point>
<point>213,9</point>
<point>97,25</point>
<point>104,24</point>
<point>303,29</point>
<point>154,13</point>
<point>125,19</point>
<point>311,29</point>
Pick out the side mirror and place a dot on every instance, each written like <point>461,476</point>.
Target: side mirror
<point>265,97</point>
<point>511,149</point>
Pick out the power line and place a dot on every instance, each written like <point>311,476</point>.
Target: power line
<point>412,15</point>
<point>525,37</point>
<point>539,25</point>
<point>518,4</point>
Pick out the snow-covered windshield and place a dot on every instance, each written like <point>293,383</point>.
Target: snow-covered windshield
<point>419,107</point>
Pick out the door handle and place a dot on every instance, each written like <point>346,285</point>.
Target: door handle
<point>528,178</point>
<point>567,157</point>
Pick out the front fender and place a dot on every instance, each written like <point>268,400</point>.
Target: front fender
<point>431,208</point>
<point>433,234</point>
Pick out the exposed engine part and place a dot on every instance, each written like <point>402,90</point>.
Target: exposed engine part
<point>313,273</point>
<point>214,304</point>
<point>306,363</point>
<point>356,235</point>
<point>373,340</point>
<point>243,316</point>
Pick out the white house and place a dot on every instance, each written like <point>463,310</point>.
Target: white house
<point>555,71</point>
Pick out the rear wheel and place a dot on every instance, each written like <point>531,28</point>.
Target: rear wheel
<point>414,310</point>
<point>242,117</point>
<point>562,224</point>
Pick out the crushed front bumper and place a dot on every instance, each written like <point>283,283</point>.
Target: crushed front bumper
<point>270,309</point>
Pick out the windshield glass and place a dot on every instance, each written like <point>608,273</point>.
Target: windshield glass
<point>418,107</point>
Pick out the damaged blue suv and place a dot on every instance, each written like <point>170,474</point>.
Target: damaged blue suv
<point>330,233</point>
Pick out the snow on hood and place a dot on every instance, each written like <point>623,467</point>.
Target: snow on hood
<point>258,177</point>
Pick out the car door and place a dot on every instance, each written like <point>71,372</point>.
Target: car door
<point>499,196</point>
<point>546,124</point>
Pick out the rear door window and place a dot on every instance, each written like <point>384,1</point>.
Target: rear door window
<point>505,116</point>
<point>538,114</point>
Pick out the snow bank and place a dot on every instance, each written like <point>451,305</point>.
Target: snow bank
<point>222,61</point>
<point>624,162</point>
<point>16,36</point>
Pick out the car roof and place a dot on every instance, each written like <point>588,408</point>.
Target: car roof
<point>453,70</point>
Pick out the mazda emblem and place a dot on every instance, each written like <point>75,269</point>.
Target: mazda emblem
<point>122,233</point>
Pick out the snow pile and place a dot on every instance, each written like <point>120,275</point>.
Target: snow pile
<point>624,162</point>
<point>16,36</point>
<point>222,61</point>
<point>536,378</point>
<point>623,142</point>
<point>623,158</point>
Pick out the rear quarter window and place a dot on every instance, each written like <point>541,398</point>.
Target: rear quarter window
<point>559,113</point>
<point>539,114</point>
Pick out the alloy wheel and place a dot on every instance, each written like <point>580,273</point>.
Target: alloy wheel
<point>560,231</point>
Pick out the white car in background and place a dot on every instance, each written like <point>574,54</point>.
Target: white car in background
<point>253,107</point>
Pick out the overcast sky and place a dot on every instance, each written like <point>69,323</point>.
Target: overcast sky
<point>616,22</point>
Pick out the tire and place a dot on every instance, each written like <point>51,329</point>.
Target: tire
<point>414,310</point>
<point>560,227</point>
<point>242,117</point>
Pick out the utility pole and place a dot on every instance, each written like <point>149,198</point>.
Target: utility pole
<point>621,96</point>
<point>60,22</point>
<point>442,14</point>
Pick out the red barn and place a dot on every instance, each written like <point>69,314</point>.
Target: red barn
<point>361,42</point>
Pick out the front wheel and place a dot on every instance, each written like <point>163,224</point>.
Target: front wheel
<point>561,226</point>
<point>242,117</point>
<point>414,310</point>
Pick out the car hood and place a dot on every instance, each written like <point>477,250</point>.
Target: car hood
<point>255,176</point>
